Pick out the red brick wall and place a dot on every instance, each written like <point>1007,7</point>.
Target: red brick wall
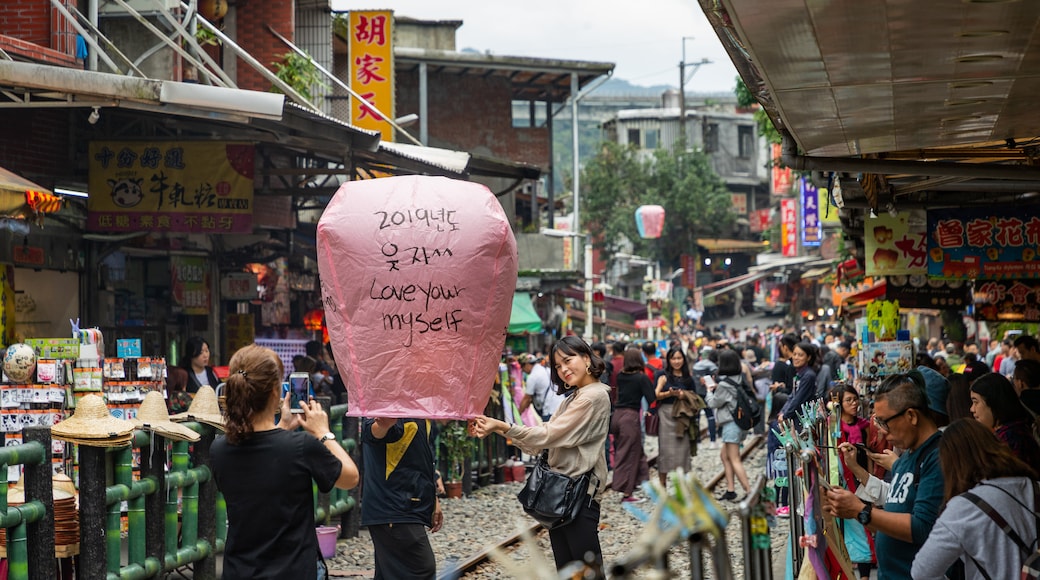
<point>252,20</point>
<point>36,142</point>
<point>33,29</point>
<point>473,114</point>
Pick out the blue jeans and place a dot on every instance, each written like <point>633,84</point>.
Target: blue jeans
<point>710,414</point>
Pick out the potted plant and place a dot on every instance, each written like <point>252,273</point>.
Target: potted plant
<point>458,448</point>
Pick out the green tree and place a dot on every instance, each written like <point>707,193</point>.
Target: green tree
<point>616,182</point>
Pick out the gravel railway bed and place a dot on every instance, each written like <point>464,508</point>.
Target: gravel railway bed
<point>491,515</point>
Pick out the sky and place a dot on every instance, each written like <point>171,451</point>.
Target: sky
<point>645,45</point>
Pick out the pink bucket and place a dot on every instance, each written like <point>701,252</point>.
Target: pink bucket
<point>327,540</point>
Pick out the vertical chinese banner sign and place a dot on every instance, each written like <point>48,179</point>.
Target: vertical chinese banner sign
<point>782,177</point>
<point>789,227</point>
<point>810,214</point>
<point>203,187</point>
<point>372,70</point>
<point>190,276</point>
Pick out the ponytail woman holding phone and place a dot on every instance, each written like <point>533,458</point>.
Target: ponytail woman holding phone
<point>258,460</point>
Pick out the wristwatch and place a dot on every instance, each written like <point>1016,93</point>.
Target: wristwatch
<point>863,517</point>
<point>330,436</point>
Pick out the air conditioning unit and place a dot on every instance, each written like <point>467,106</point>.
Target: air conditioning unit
<point>109,7</point>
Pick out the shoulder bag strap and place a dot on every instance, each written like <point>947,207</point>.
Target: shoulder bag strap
<point>999,520</point>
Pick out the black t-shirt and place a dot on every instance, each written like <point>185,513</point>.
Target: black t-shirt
<point>266,482</point>
<point>631,388</point>
<point>399,485</point>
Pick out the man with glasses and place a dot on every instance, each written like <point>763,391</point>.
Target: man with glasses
<point>904,517</point>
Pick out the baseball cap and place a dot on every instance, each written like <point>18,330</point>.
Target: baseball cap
<point>530,359</point>
<point>937,388</point>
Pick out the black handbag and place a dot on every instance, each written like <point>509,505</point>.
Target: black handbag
<point>552,498</point>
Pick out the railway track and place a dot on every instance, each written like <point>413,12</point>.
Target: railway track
<point>470,564</point>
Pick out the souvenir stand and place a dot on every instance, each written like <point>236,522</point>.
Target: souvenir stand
<point>43,381</point>
<point>816,546</point>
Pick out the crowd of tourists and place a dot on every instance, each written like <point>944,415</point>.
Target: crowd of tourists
<point>937,465</point>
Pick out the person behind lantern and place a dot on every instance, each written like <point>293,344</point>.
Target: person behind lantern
<point>995,404</point>
<point>673,447</point>
<point>574,437</point>
<point>195,360</point>
<point>257,460</point>
<point>723,398</point>
<point>908,507</point>
<point>985,483</point>
<point>400,496</point>
<point>630,467</point>
<point>854,431</point>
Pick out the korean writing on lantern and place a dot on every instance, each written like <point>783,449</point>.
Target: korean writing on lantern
<point>370,31</point>
<point>985,232</point>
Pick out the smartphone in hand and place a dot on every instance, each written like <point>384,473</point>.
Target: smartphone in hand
<point>708,381</point>
<point>301,390</point>
<point>864,447</point>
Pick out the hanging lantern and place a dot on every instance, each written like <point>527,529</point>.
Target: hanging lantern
<point>213,9</point>
<point>313,319</point>
<point>650,221</point>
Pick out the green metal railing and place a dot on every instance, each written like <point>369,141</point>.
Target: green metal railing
<point>174,519</point>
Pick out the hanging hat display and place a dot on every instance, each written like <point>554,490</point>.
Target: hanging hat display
<point>204,409</point>
<point>93,425</point>
<point>153,416</point>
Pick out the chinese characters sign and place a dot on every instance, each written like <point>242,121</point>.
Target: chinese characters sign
<point>789,227</point>
<point>190,276</point>
<point>810,214</point>
<point>739,203</point>
<point>1007,300</point>
<point>372,69</point>
<point>984,243</point>
<point>171,186</point>
<point>895,245</point>
<point>783,177</point>
<point>759,220</point>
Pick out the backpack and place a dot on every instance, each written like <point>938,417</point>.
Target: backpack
<point>747,412</point>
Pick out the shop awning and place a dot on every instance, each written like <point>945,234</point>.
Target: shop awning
<point>734,283</point>
<point>607,322</point>
<point>21,198</point>
<point>724,246</point>
<point>634,308</point>
<point>873,293</point>
<point>817,272</point>
<point>523,318</point>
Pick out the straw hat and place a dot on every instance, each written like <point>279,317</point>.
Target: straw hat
<point>92,424</point>
<point>204,409</point>
<point>153,416</point>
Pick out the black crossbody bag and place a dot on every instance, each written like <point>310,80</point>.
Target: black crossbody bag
<point>552,498</point>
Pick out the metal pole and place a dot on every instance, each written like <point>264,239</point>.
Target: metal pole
<point>588,290</point>
<point>424,117</point>
<point>92,56</point>
<point>682,95</point>
<point>576,183</point>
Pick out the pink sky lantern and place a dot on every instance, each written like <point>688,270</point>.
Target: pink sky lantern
<point>417,279</point>
<point>650,221</point>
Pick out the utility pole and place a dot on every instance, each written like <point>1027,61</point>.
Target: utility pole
<point>683,79</point>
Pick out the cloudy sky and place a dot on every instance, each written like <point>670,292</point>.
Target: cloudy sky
<point>646,45</point>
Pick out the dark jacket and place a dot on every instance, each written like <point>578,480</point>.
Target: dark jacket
<point>193,381</point>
